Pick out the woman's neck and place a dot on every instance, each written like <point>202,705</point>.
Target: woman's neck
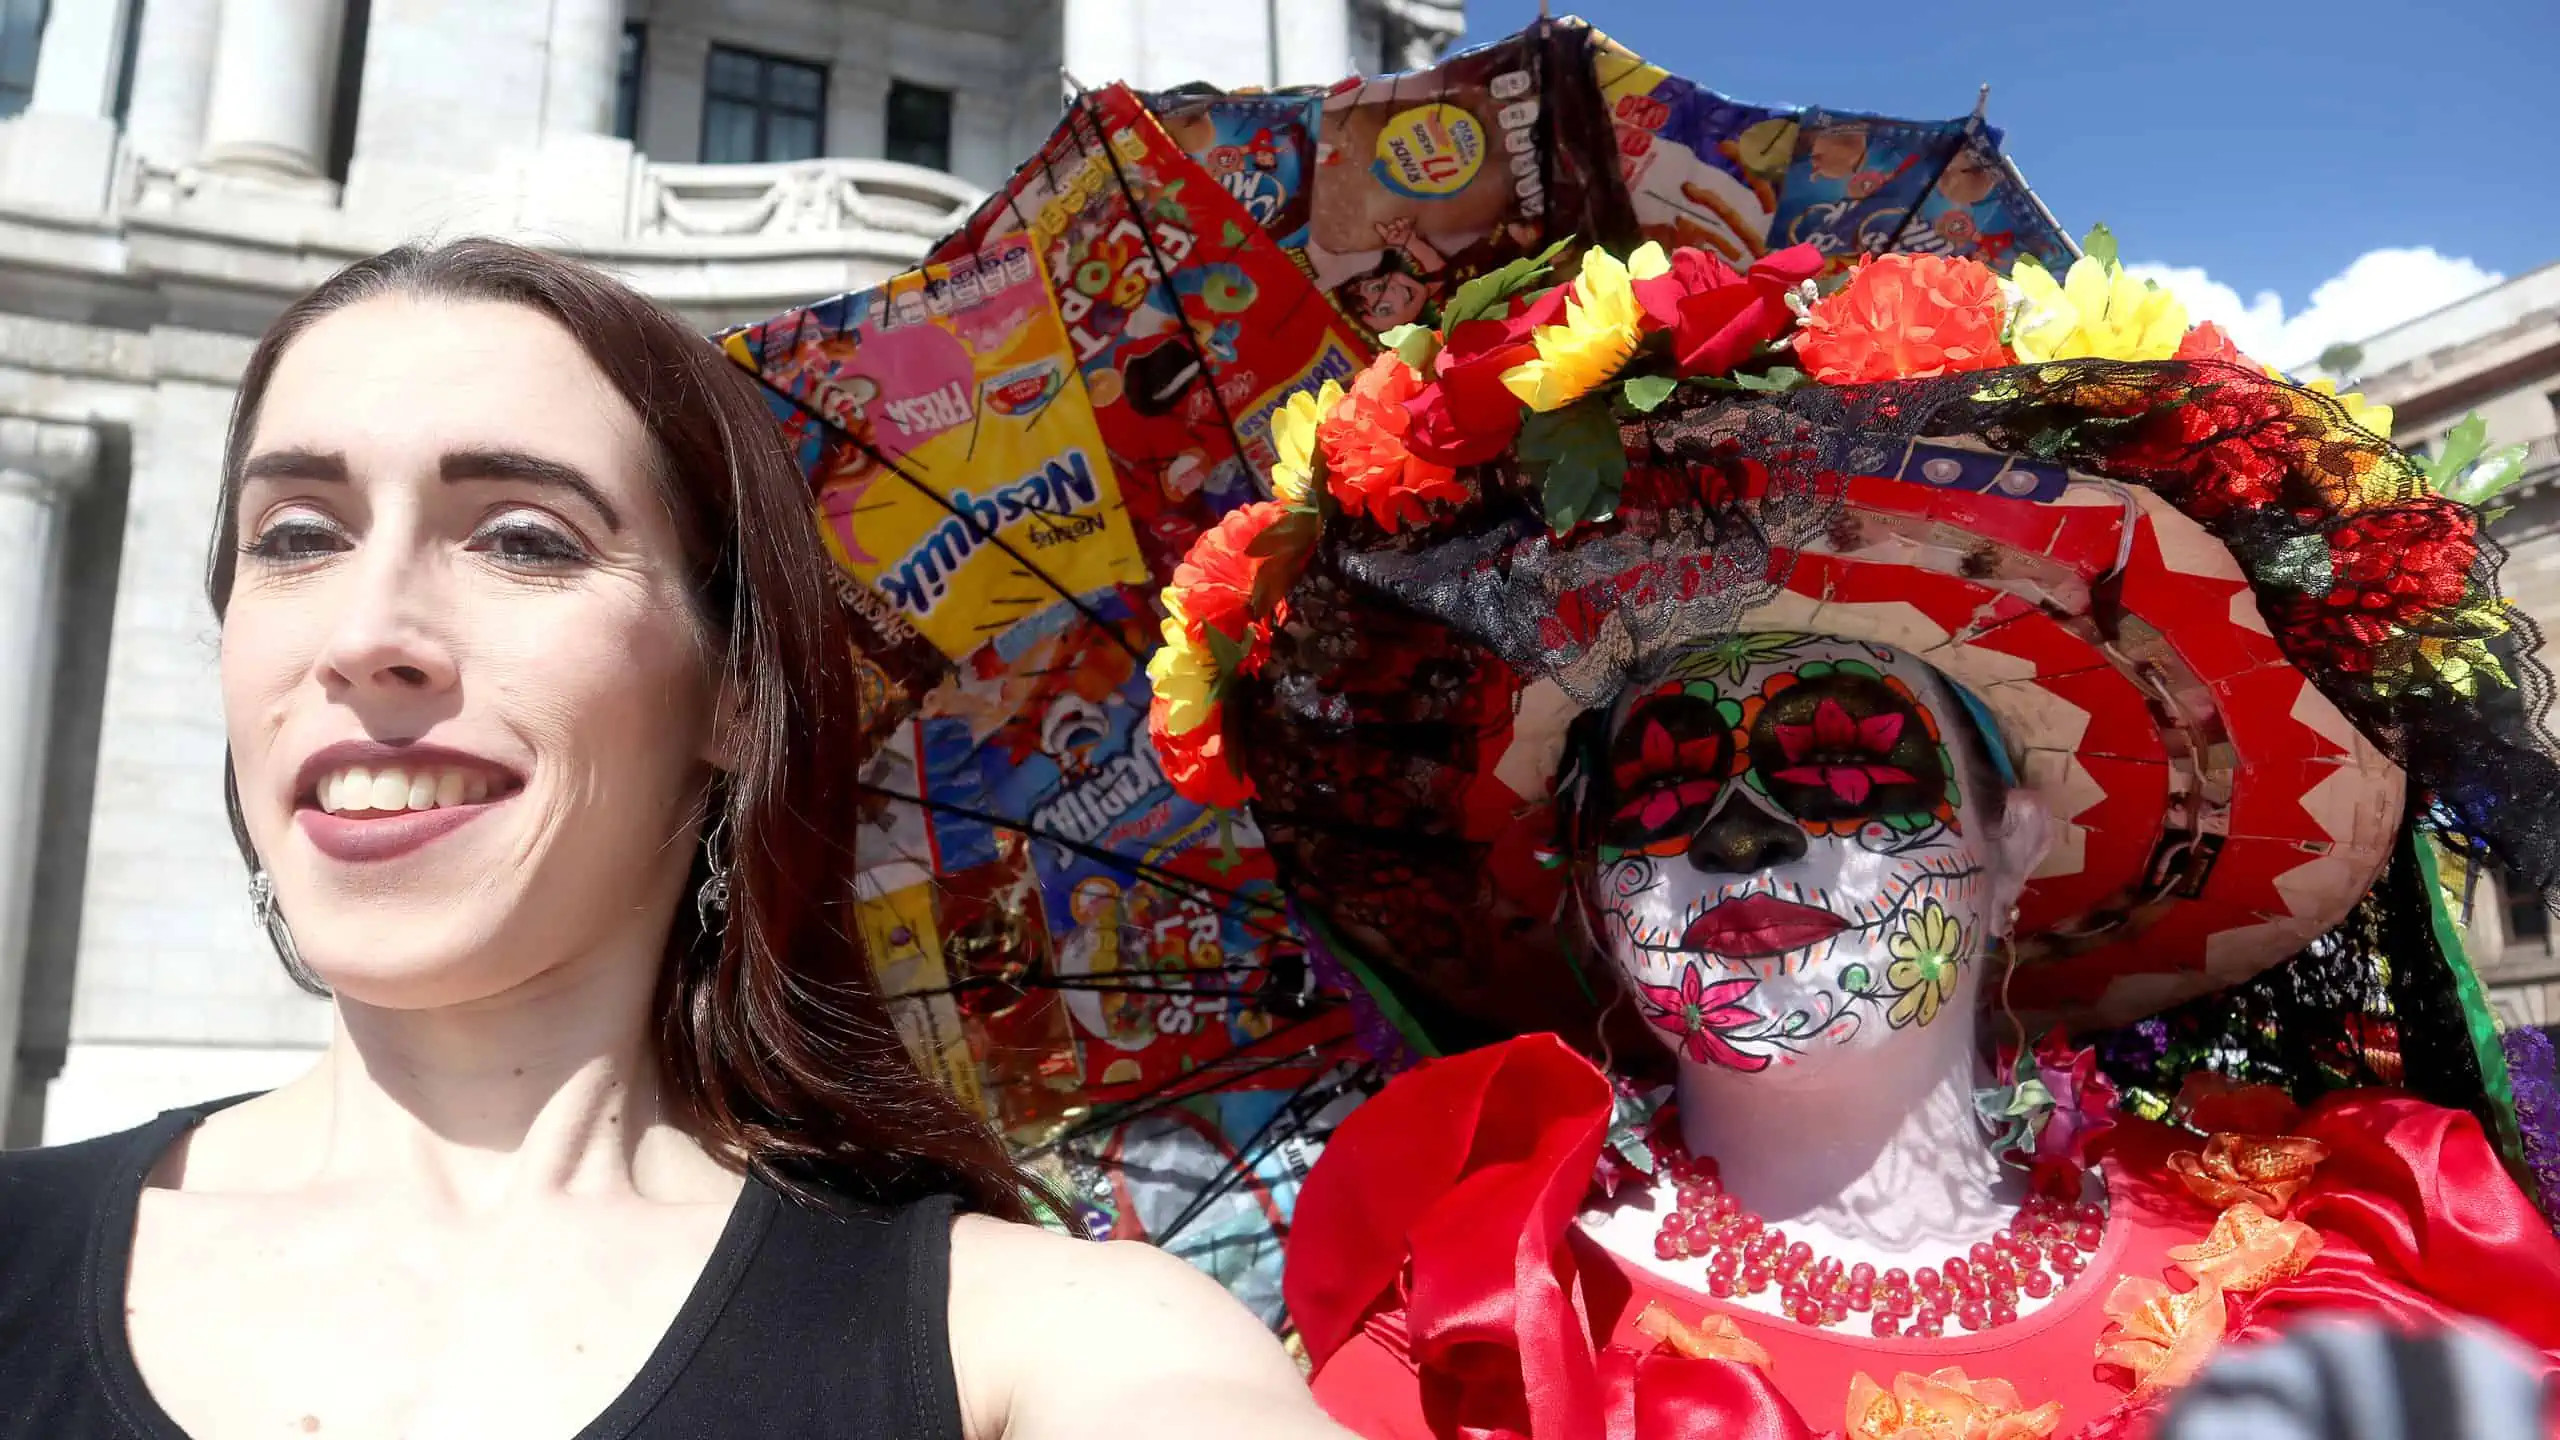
<point>1874,1154</point>
<point>549,1088</point>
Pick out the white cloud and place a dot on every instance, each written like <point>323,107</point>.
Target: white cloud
<point>2377,290</point>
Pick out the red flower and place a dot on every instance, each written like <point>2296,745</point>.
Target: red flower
<point>2207,342</point>
<point>2226,446</point>
<point>1702,1015</point>
<point>2389,569</point>
<point>1903,317</point>
<point>1717,315</point>
<point>1199,763</point>
<point>1467,416</point>
<point>1366,463</point>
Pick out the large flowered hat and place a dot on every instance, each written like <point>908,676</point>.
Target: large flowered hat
<point>2229,632</point>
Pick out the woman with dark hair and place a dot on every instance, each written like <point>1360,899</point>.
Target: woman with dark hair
<point>537,713</point>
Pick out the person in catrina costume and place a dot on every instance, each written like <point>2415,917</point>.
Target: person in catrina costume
<point>1748,739</point>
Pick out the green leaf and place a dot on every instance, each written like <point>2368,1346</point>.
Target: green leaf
<point>1416,343</point>
<point>2496,471</point>
<point>1492,290</point>
<point>2462,445</point>
<point>1777,382</point>
<point>1284,549</point>
<point>1227,652</point>
<point>1578,460</point>
<point>2100,245</point>
<point>1233,235</point>
<point>1645,393</point>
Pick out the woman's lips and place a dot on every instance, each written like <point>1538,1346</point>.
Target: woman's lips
<point>384,836</point>
<point>1758,926</point>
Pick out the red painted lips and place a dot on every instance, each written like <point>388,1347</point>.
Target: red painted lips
<point>1758,926</point>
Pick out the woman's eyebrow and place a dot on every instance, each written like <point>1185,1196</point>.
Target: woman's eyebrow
<point>530,469</point>
<point>295,465</point>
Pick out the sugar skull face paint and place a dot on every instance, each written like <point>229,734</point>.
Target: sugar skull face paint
<point>1789,847</point>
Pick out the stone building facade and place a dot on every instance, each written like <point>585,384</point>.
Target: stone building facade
<point>173,172</point>
<point>2496,353</point>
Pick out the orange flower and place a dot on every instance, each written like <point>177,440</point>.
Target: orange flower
<point>2248,1250</point>
<point>2207,342</point>
<point>2264,1170</point>
<point>1945,1405</point>
<point>2162,1335</point>
<point>1211,635</point>
<point>1366,464</point>
<point>1216,577</point>
<point>1902,317</point>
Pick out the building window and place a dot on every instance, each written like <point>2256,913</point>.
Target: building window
<point>2528,920</point>
<point>347,99</point>
<point>21,31</point>
<point>919,125</point>
<point>626,79</point>
<point>759,107</point>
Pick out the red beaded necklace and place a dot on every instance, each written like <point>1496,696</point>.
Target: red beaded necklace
<point>2038,1253</point>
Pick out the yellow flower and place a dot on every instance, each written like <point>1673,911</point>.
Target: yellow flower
<point>1183,671</point>
<point>2097,311</point>
<point>1922,977</point>
<point>1293,434</point>
<point>1602,323</point>
<point>2360,411</point>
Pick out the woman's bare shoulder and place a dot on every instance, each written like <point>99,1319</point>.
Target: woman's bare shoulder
<point>1055,1338</point>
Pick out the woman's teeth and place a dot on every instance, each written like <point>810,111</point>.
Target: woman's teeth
<point>386,791</point>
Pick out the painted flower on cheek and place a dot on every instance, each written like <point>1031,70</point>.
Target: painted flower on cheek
<point>1702,1015</point>
<point>1834,732</point>
<point>1926,955</point>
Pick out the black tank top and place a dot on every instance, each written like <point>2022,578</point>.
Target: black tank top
<point>807,1324</point>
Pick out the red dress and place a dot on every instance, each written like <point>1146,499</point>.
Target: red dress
<point>1443,1290</point>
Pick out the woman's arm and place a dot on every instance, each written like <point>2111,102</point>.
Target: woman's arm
<point>1059,1339</point>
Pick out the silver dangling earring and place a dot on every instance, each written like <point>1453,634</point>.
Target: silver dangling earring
<point>711,902</point>
<point>262,908</point>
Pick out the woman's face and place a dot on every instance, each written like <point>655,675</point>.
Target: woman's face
<point>468,698</point>
<point>1795,857</point>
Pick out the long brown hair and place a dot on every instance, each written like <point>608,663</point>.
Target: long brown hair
<point>771,1030</point>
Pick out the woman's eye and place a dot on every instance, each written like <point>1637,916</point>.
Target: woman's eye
<point>300,537</point>
<point>527,542</point>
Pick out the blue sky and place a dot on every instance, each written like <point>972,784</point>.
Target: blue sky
<point>2393,152</point>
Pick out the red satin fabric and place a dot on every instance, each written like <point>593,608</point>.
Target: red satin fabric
<point>1431,1276</point>
<point>2419,1223</point>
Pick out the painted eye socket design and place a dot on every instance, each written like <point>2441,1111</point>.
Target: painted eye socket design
<point>1668,761</point>
<point>1843,748</point>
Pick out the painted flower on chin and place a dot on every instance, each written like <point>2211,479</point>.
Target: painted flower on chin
<point>1702,1015</point>
<point>1926,956</point>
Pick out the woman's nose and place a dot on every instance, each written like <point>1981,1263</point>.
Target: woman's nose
<point>382,638</point>
<point>1743,839</point>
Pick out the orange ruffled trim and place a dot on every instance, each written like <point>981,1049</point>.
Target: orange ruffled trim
<point>1714,1337</point>
<point>2248,1250</point>
<point>1944,1405</point>
<point>2264,1170</point>
<point>2165,1335</point>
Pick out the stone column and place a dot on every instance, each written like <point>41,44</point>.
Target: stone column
<point>574,182</point>
<point>43,467</point>
<point>172,70</point>
<point>1314,40</point>
<point>61,151</point>
<point>275,72</point>
<point>580,67</point>
<point>1104,39</point>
